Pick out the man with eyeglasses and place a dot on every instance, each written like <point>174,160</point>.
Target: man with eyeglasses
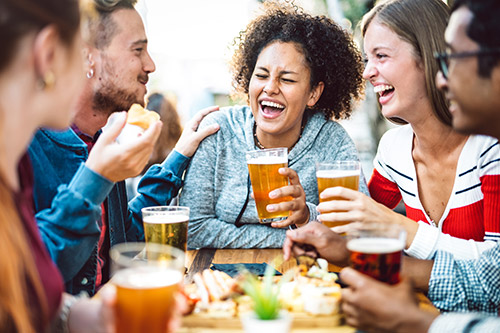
<point>470,77</point>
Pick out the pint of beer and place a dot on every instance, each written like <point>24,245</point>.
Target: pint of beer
<point>337,173</point>
<point>166,225</point>
<point>146,285</point>
<point>376,250</point>
<point>263,166</point>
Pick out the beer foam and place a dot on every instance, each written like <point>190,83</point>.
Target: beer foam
<point>336,173</point>
<point>374,245</point>
<point>268,160</point>
<point>146,277</point>
<point>165,219</point>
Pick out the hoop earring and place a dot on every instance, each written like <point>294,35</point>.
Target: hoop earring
<point>47,82</point>
<point>90,73</point>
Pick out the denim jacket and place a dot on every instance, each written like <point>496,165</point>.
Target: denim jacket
<point>68,197</point>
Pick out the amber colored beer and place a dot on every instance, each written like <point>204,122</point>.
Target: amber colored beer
<point>332,178</point>
<point>167,229</point>
<point>145,298</point>
<point>265,177</point>
<point>377,257</point>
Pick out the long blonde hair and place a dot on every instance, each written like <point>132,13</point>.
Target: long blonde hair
<point>23,302</point>
<point>18,269</point>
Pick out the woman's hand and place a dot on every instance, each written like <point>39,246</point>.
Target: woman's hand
<point>330,246</point>
<point>96,314</point>
<point>299,212</point>
<point>353,206</point>
<point>190,138</point>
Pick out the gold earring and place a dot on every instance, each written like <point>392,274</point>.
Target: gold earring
<point>48,81</point>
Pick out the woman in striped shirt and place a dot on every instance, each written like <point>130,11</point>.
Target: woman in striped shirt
<point>448,181</point>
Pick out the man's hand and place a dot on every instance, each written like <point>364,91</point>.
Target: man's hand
<point>375,306</point>
<point>330,246</point>
<point>191,137</point>
<point>117,162</point>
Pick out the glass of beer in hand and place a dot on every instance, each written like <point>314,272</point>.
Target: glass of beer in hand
<point>376,250</point>
<point>263,166</point>
<point>337,173</point>
<point>166,225</point>
<point>147,277</point>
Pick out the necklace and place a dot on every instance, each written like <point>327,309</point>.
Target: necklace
<point>261,146</point>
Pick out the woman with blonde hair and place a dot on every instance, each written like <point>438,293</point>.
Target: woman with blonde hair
<point>40,72</point>
<point>449,182</point>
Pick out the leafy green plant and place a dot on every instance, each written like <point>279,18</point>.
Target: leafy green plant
<point>265,293</point>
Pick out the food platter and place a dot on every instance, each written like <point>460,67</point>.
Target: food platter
<point>216,313</point>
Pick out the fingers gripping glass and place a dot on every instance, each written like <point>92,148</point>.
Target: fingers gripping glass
<point>443,58</point>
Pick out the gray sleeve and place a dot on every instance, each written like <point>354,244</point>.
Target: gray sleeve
<point>211,222</point>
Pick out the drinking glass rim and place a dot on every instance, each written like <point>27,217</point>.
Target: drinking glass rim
<point>339,163</point>
<point>159,209</point>
<point>115,253</point>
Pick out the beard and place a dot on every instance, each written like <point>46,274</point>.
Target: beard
<point>109,97</point>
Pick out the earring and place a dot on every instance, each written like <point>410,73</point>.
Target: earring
<point>47,82</point>
<point>90,73</point>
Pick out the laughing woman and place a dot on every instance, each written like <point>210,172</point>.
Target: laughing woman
<point>449,182</point>
<point>298,73</point>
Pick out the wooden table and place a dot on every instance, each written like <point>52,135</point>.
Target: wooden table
<point>198,260</point>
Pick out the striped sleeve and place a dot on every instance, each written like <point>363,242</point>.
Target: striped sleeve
<point>490,186</point>
<point>383,190</point>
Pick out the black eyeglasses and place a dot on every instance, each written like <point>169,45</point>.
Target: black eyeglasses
<point>443,59</point>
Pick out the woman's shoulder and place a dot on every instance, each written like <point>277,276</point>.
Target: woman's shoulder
<point>397,137</point>
<point>229,116</point>
<point>482,146</point>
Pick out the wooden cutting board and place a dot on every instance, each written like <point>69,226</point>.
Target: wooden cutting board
<point>300,320</point>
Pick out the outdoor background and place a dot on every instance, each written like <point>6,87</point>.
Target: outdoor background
<point>191,44</point>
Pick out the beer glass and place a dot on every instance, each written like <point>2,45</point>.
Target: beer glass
<point>337,173</point>
<point>147,277</point>
<point>263,166</point>
<point>376,250</point>
<point>166,225</point>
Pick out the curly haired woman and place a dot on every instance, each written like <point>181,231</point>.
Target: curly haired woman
<point>298,72</point>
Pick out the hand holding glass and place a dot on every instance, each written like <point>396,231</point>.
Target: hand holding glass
<point>263,166</point>
<point>337,173</point>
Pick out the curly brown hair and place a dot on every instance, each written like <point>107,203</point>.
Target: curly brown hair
<point>330,53</point>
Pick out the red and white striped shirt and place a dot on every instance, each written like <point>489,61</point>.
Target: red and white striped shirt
<point>472,212</point>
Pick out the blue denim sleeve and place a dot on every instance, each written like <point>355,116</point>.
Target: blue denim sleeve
<point>68,228</point>
<point>159,185</point>
<point>466,285</point>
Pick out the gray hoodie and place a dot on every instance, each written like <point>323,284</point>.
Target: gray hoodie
<point>216,183</point>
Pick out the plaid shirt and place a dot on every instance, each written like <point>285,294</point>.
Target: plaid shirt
<point>465,322</point>
<point>466,285</point>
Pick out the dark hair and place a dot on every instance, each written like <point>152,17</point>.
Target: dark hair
<point>20,17</point>
<point>484,29</point>
<point>330,53</point>
<point>171,130</point>
<point>421,23</point>
<point>102,27</point>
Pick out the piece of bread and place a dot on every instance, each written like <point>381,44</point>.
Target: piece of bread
<point>141,117</point>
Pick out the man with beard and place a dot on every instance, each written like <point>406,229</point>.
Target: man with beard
<point>470,76</point>
<point>80,198</point>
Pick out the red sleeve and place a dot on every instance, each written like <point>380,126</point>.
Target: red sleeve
<point>490,186</point>
<point>383,190</point>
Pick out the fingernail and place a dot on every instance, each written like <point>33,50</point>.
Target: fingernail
<point>273,194</point>
<point>271,208</point>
